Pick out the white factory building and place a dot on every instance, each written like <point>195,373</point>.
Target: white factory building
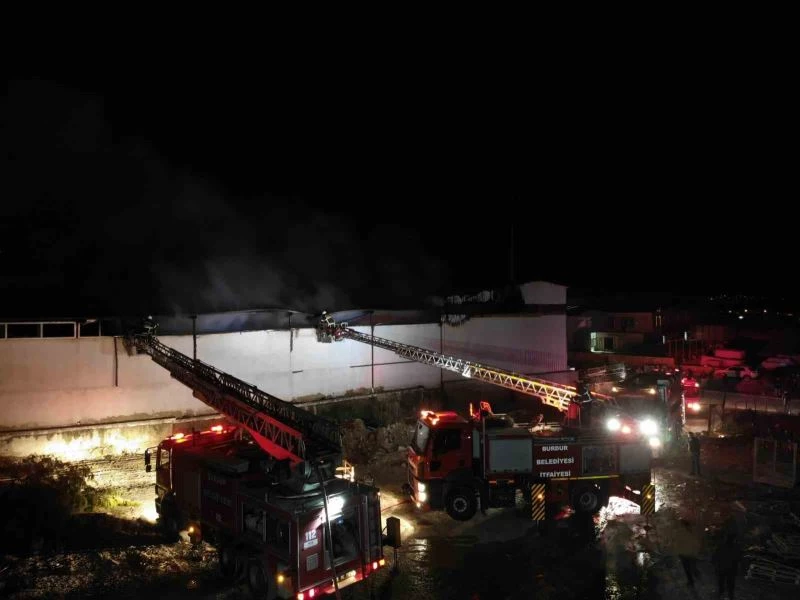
<point>76,371</point>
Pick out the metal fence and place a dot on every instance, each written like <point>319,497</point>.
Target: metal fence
<point>775,462</point>
<point>736,401</point>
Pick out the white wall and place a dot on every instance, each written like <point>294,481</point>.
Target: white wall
<point>54,382</point>
<point>521,344</point>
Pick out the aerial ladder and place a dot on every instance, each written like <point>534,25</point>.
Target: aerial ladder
<point>281,429</point>
<point>218,488</point>
<point>562,397</point>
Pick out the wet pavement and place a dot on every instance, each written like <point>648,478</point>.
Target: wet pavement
<point>529,567</point>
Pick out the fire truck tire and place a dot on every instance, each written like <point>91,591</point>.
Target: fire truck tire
<point>461,503</point>
<point>169,526</point>
<point>257,580</point>
<point>587,499</point>
<point>230,563</point>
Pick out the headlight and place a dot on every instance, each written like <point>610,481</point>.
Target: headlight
<point>651,391</point>
<point>648,427</point>
<point>614,388</point>
<point>613,424</point>
<point>421,486</point>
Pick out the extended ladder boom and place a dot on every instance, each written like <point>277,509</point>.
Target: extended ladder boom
<point>550,393</point>
<point>279,427</point>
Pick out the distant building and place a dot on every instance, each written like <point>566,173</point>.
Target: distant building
<point>607,331</point>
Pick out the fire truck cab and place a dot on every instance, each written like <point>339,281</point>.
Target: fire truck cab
<point>290,535</point>
<point>459,464</point>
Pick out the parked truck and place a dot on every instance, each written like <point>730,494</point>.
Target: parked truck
<point>288,538</point>
<point>458,464</point>
<point>271,490</point>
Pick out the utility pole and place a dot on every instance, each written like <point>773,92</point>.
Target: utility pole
<point>441,351</point>
<point>194,337</point>
<point>511,256</point>
<point>291,336</point>
<point>372,348</point>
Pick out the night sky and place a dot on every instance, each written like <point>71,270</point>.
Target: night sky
<point>132,194</point>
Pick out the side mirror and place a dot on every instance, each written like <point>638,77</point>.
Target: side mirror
<point>148,468</point>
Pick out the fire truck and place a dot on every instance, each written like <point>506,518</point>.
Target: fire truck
<point>457,464</point>
<point>270,491</point>
<point>460,464</point>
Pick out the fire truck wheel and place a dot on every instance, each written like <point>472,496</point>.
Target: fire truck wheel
<point>169,527</point>
<point>586,499</point>
<point>229,562</point>
<point>461,504</point>
<point>257,580</point>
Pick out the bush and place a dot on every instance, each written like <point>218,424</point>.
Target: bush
<point>38,500</point>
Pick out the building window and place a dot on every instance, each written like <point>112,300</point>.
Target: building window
<point>90,329</point>
<point>24,330</point>
<point>58,330</point>
<point>623,324</point>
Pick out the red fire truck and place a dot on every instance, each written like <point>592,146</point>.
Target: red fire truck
<point>457,464</point>
<point>268,527</point>
<point>272,493</point>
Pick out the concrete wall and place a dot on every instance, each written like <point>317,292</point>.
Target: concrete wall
<point>63,382</point>
<point>96,441</point>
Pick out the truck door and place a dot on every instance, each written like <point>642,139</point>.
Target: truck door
<point>449,451</point>
<point>164,468</point>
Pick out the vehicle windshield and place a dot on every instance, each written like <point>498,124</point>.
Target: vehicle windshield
<point>420,439</point>
<point>640,408</point>
<point>644,381</point>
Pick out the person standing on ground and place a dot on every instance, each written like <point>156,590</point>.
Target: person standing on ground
<point>726,559</point>
<point>688,550</point>
<point>694,450</point>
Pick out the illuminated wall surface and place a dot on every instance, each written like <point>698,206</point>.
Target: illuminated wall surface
<point>62,382</point>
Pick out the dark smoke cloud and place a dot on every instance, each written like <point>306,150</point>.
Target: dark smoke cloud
<point>96,221</point>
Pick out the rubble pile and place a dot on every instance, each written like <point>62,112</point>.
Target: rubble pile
<point>773,554</point>
<point>362,444</point>
<point>112,570</point>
